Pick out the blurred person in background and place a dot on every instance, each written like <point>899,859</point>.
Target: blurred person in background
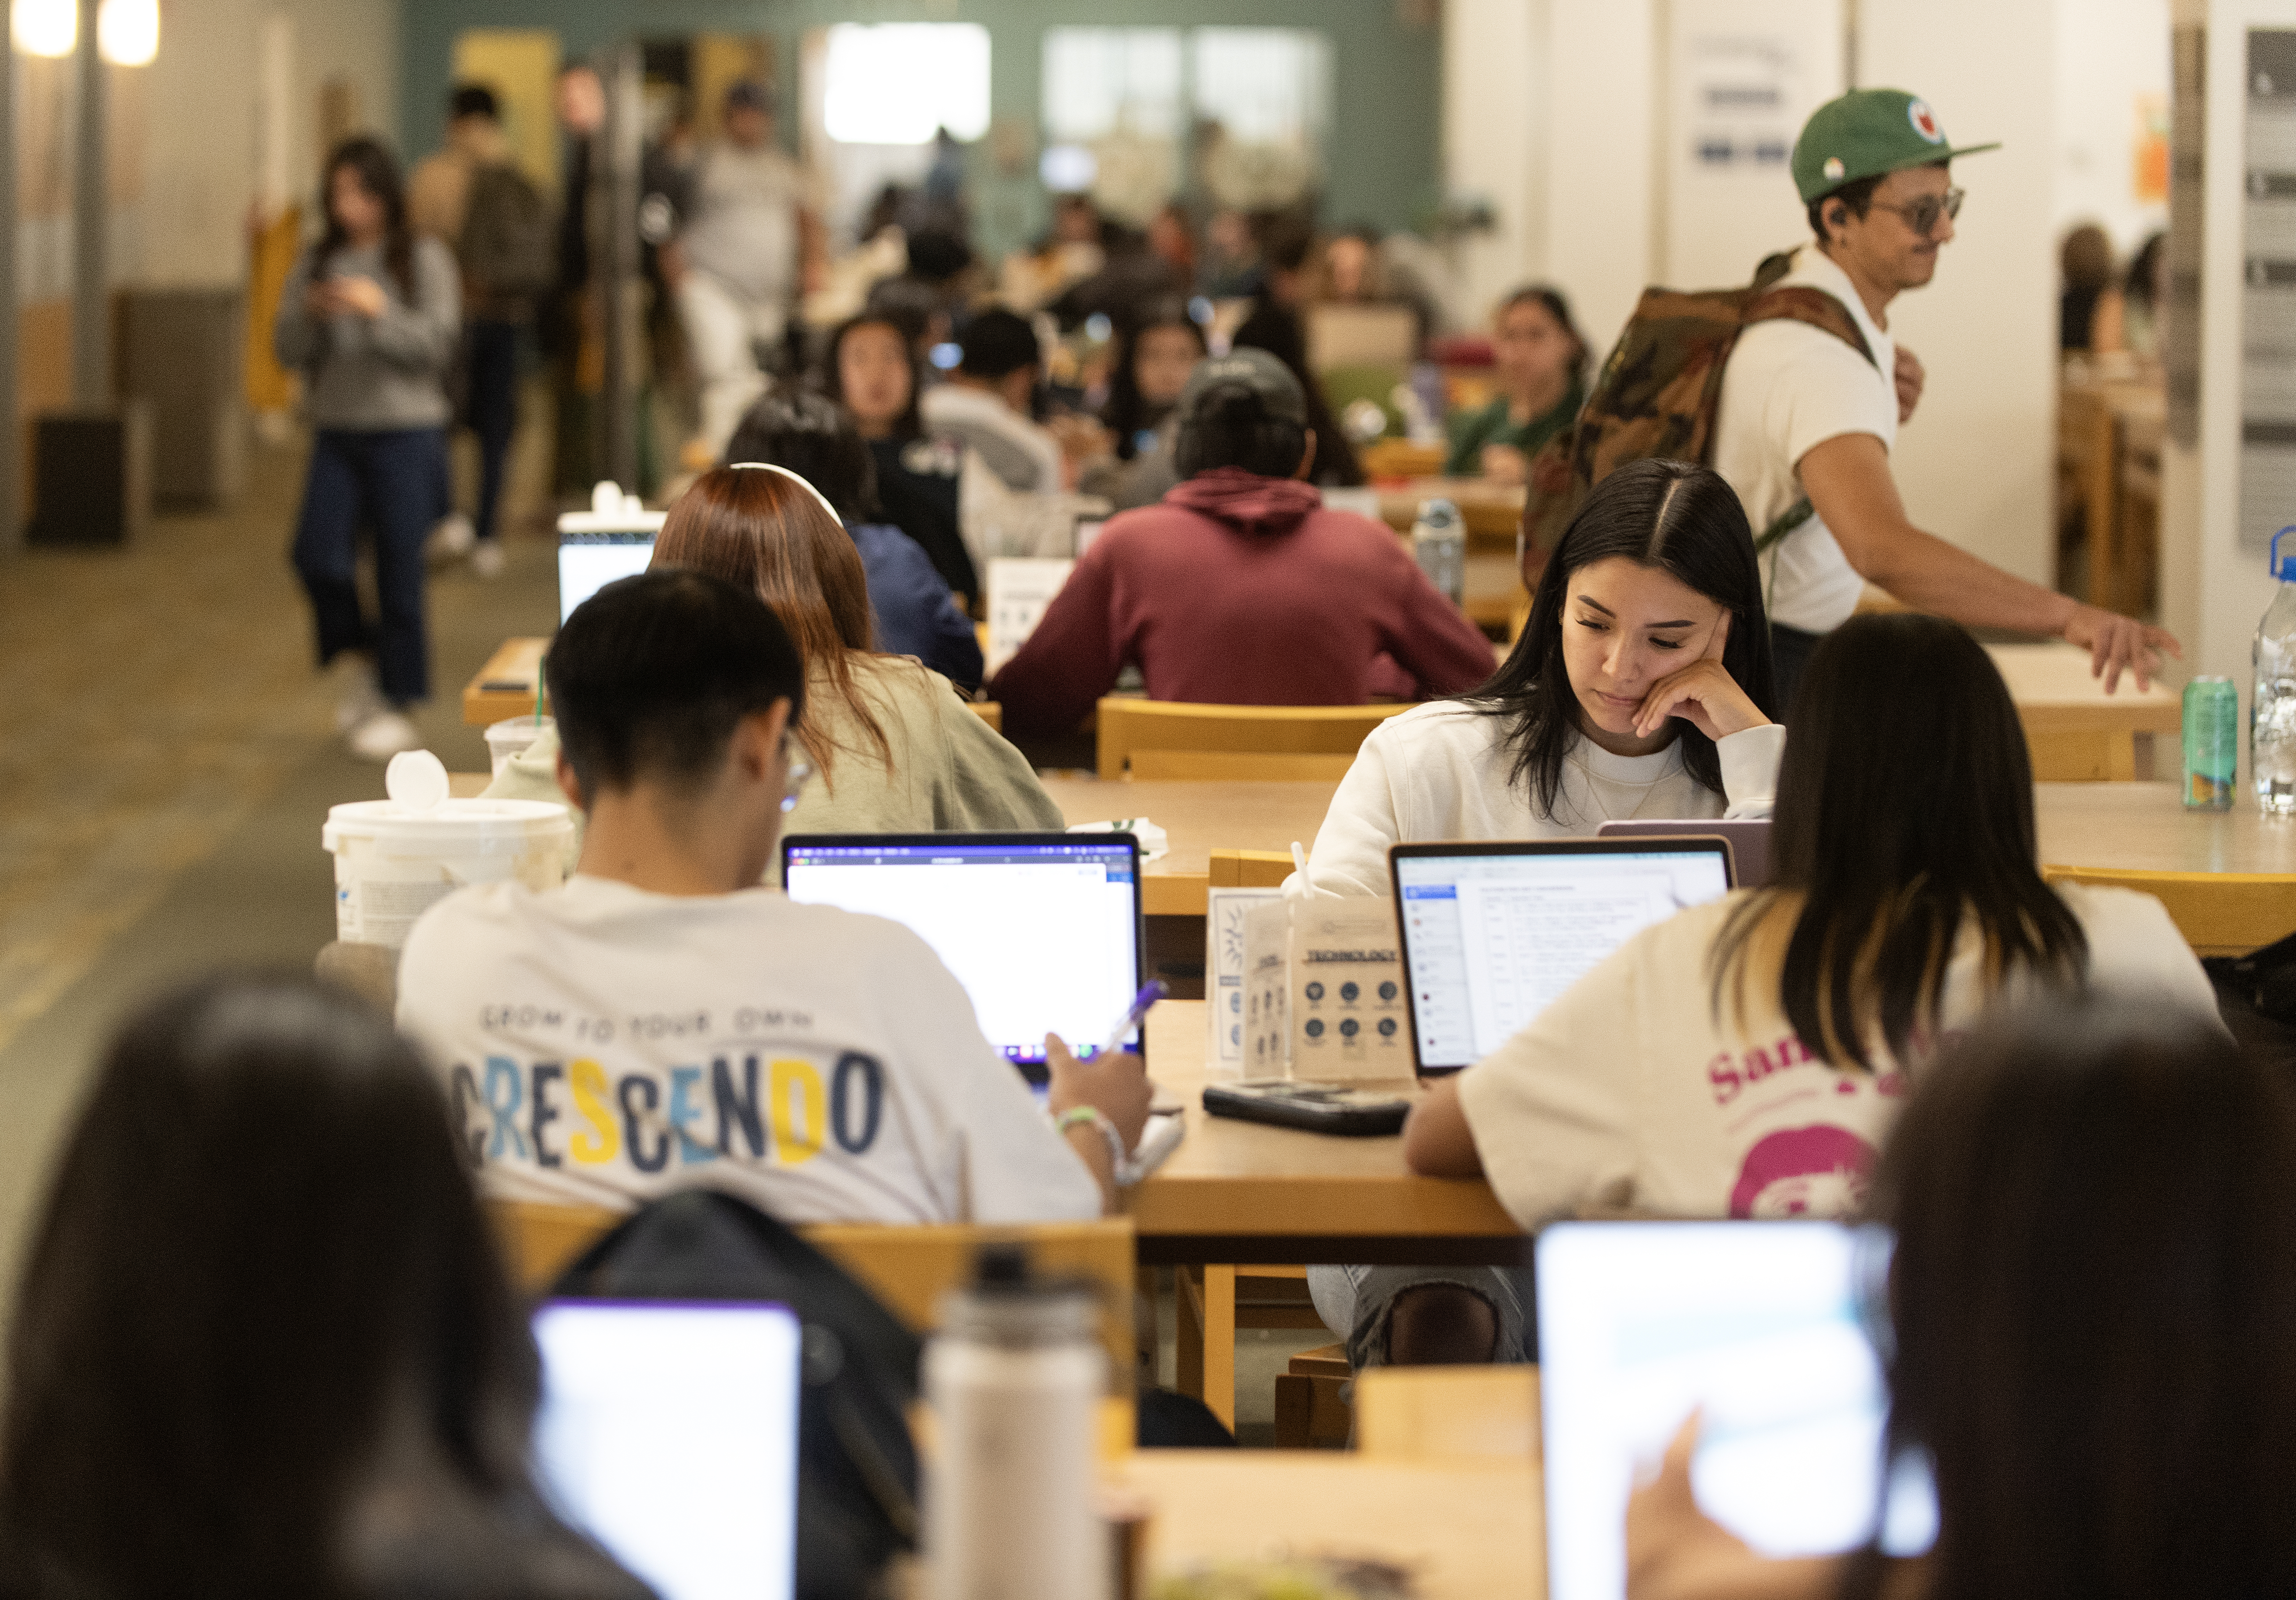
<point>2086,261</point>
<point>871,368</point>
<point>2131,320</point>
<point>1540,366</point>
<point>1154,357</point>
<point>1274,326</point>
<point>370,316</point>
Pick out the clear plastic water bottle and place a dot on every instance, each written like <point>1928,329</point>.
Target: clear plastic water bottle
<point>1439,542</point>
<point>2272,724</point>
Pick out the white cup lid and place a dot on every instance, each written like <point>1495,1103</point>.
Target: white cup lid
<point>415,780</point>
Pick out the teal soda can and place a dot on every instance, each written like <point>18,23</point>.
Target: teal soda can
<point>2212,743</point>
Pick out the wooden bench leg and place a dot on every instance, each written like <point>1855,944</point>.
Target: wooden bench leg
<point>1205,1360</point>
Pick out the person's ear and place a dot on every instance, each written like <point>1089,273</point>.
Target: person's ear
<point>1306,457</point>
<point>757,748</point>
<point>571,785</point>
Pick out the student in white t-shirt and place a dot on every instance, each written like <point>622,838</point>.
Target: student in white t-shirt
<point>1745,1057</point>
<point>1802,413</point>
<point>1640,688</point>
<point>662,1022</point>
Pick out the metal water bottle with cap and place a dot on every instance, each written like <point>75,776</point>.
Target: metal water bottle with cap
<point>2272,712</point>
<point>1439,542</point>
<point>1014,1379</point>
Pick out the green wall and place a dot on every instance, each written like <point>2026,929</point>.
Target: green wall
<point>1382,163</point>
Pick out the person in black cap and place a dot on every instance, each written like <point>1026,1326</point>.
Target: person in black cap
<point>1240,587</point>
<point>751,241</point>
<point>1807,420</point>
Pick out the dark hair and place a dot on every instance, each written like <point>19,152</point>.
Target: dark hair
<point>1127,411</point>
<point>1550,301</point>
<point>264,1345</point>
<point>937,255</point>
<point>1669,514</point>
<point>996,343</point>
<point>910,423</point>
<point>650,675</point>
<point>379,175</point>
<point>2141,270</point>
<point>2092,1306</point>
<point>2084,258</point>
<point>1857,196</point>
<point>1229,425</point>
<point>1272,328</point>
<point>1904,814</point>
<point>770,536</point>
<point>472,100</point>
<point>815,438</point>
<point>1287,242</point>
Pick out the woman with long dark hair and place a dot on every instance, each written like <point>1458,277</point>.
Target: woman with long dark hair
<point>871,368</point>
<point>264,1345</point>
<point>1640,688</point>
<point>1541,370</point>
<point>1156,350</point>
<point>370,316</point>
<point>1745,1057</point>
<point>2089,1328</point>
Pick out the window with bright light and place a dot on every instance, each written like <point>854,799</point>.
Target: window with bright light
<point>897,83</point>
<point>1264,86</point>
<point>1100,80</point>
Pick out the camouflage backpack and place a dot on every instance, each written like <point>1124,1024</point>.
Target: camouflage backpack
<point>1658,394</point>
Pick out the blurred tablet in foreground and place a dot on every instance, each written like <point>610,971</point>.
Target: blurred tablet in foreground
<point>669,1433</point>
<point>1757,1326</point>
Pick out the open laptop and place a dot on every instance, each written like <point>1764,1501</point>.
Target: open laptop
<point>669,1433</point>
<point>1493,932</point>
<point>1757,1327</point>
<point>596,548</point>
<point>1749,837</point>
<point>1043,929</point>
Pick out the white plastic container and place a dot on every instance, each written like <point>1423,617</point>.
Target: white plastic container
<point>511,735</point>
<point>1014,1379</point>
<point>392,862</point>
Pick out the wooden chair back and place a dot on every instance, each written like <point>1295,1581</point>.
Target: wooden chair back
<point>907,1268</point>
<point>2220,914</point>
<point>1126,724</point>
<point>988,711</point>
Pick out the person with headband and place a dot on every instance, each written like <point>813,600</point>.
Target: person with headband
<point>665,1020</point>
<point>895,749</point>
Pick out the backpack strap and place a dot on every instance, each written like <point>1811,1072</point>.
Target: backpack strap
<point>1792,517</point>
<point>1801,303</point>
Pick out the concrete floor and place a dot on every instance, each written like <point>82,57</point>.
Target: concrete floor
<point>166,759</point>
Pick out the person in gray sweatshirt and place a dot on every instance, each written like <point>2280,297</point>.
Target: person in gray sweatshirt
<point>371,316</point>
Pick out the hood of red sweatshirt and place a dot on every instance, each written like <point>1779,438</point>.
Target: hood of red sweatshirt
<point>1246,501</point>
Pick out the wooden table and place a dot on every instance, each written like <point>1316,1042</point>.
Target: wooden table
<point>506,686</point>
<point>1492,512</point>
<point>2145,827</point>
<point>1466,1529</point>
<point>2073,729</point>
<point>1198,818</point>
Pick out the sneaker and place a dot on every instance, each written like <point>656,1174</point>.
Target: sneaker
<point>450,539</point>
<point>486,558</point>
<point>361,699</point>
<point>383,735</point>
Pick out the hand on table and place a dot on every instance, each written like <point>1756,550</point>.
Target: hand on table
<point>1704,694</point>
<point>1909,377</point>
<point>1504,463</point>
<point>2117,644</point>
<point>1116,1085</point>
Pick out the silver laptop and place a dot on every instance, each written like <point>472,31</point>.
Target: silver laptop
<point>1757,1326</point>
<point>1749,837</point>
<point>669,1433</point>
<point>1493,932</point>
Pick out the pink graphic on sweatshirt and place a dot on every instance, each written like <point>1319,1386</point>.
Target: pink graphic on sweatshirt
<point>1815,1171</point>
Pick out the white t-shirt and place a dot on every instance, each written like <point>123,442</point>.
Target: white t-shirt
<point>1440,772</point>
<point>1788,387</point>
<point>604,1046</point>
<point>743,229</point>
<point>1024,456</point>
<point>1630,1091</point>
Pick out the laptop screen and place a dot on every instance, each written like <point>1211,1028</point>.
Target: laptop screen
<point>1043,929</point>
<point>589,562</point>
<point>1491,934</point>
<point>1755,1326</point>
<point>669,1433</point>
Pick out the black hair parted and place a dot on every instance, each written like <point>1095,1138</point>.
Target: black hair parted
<point>815,438</point>
<point>1229,426</point>
<point>1672,515</point>
<point>650,675</point>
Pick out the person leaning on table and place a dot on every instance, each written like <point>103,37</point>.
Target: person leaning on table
<point>1802,413</point>
<point>1743,1058</point>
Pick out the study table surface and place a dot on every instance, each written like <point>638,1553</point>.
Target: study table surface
<point>1248,1192</point>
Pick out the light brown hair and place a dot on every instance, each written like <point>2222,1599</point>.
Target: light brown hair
<point>769,532</point>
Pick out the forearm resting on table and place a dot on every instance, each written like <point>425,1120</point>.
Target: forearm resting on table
<point>1091,1147</point>
<point>1437,1141</point>
<point>1848,480</point>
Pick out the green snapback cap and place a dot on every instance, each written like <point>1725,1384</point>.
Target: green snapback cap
<point>1864,134</point>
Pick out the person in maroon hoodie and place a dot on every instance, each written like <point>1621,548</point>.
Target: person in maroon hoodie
<point>1240,587</point>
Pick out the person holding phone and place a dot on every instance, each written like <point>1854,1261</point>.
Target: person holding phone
<point>370,315</point>
<point>2104,1382</point>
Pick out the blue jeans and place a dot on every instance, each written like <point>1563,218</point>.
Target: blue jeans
<point>494,409</point>
<point>390,482</point>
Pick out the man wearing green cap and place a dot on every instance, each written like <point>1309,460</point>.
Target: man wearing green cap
<point>1803,413</point>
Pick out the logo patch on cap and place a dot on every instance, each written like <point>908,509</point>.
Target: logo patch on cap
<point>1834,169</point>
<point>1924,121</point>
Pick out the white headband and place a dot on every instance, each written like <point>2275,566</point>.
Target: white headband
<point>767,466</point>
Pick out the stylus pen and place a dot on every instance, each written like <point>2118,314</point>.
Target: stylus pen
<point>1148,996</point>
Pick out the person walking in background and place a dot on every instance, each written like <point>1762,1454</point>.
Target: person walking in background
<point>751,241</point>
<point>370,316</point>
<point>1541,369</point>
<point>471,197</point>
<point>574,326</point>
